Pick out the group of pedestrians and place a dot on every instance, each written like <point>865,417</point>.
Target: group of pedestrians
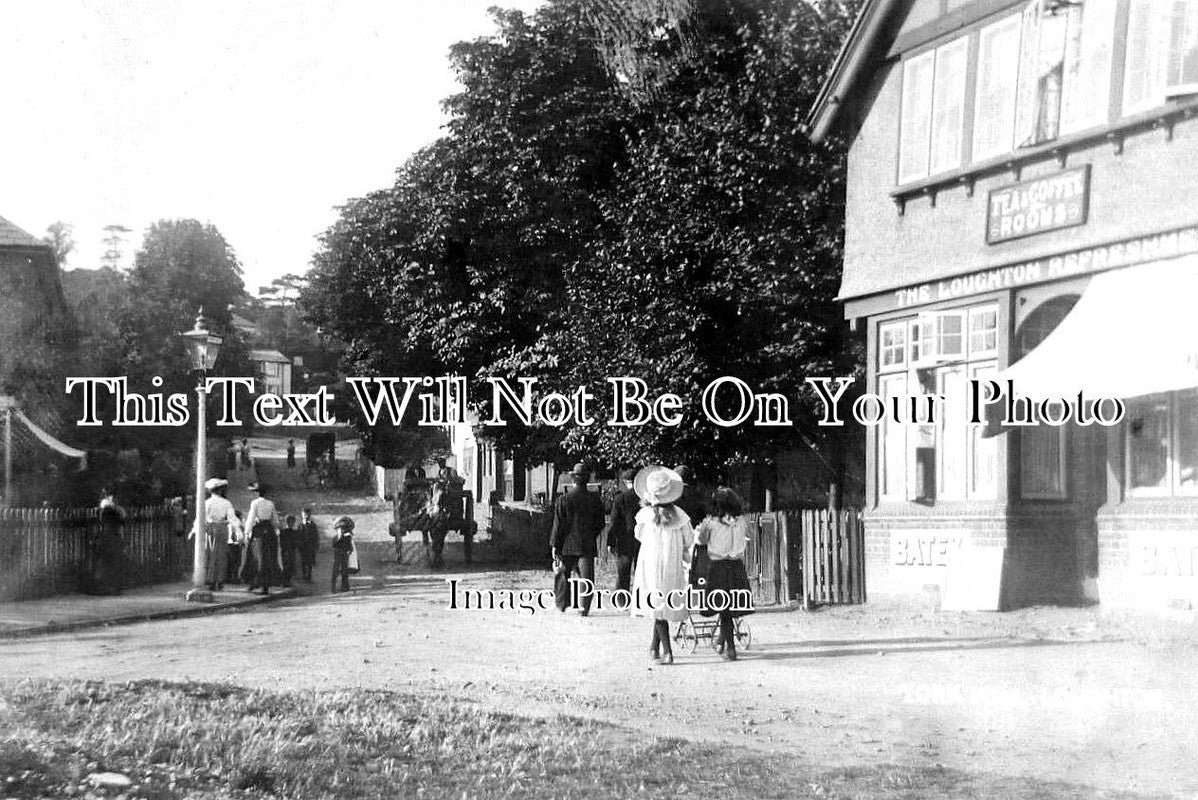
<point>266,548</point>
<point>665,543</point>
<point>238,454</point>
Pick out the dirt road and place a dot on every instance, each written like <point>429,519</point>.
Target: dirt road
<point>1069,700</point>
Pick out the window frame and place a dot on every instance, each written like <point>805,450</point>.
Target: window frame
<point>934,54</point>
<point>1173,487</point>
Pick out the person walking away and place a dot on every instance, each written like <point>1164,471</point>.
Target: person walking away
<point>691,501</point>
<point>245,453</point>
<point>621,531</point>
<point>288,548</point>
<point>343,545</point>
<point>262,522</point>
<point>725,533</point>
<point>231,456</point>
<point>666,537</point>
<point>574,539</point>
<point>220,522</point>
<point>309,543</point>
<point>291,454</point>
<point>109,570</point>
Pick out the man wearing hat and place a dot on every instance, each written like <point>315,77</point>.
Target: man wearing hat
<point>220,523</point>
<point>577,521</point>
<point>621,532</point>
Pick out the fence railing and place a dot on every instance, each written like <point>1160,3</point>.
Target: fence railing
<point>814,556</point>
<point>48,551</point>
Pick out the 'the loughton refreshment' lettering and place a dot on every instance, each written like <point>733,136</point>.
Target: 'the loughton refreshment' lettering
<point>1080,262</point>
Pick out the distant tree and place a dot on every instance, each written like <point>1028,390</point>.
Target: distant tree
<point>114,245</point>
<point>59,237</point>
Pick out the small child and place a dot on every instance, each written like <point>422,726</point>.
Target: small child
<point>343,546</point>
<point>309,543</point>
<point>288,546</point>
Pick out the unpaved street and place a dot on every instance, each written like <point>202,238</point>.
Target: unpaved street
<point>1076,697</point>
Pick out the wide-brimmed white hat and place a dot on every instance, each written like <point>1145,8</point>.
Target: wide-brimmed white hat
<point>215,483</point>
<point>657,485</point>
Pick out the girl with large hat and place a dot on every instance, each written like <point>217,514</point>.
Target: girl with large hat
<point>659,587</point>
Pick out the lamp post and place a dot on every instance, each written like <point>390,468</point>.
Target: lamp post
<point>202,347</point>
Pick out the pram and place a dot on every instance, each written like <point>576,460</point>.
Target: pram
<point>692,629</point>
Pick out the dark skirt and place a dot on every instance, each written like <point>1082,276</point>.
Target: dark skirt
<point>727,575</point>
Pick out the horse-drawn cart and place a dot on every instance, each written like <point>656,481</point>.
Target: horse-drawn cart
<point>434,510</point>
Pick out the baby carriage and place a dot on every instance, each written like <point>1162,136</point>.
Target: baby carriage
<point>694,628</point>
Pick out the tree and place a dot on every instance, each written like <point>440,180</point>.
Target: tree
<point>58,236</point>
<point>570,227</point>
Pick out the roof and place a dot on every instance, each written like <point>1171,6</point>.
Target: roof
<point>850,64</point>
<point>268,355</point>
<point>241,323</point>
<point>12,236</point>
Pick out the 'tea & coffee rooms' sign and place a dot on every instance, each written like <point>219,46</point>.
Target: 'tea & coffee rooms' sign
<point>1044,204</point>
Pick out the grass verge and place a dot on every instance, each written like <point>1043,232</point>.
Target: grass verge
<point>192,740</point>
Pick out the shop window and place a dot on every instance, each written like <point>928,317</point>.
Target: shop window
<point>949,459</point>
<point>1162,53</point>
<point>933,111</point>
<point>1042,453</point>
<point>1161,456</point>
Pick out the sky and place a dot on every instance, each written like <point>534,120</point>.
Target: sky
<point>260,117</point>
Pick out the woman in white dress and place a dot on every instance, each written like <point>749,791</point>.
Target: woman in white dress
<point>659,587</point>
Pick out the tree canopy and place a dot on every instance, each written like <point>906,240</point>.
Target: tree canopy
<point>569,229</point>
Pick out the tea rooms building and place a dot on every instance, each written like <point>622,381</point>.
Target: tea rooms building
<point>1021,205</point>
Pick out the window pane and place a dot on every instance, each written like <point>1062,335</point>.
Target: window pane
<point>1087,88</point>
<point>948,105</point>
<point>1182,69</point>
<point>1187,443</point>
<point>998,72</point>
<point>950,334</point>
<point>983,331</point>
<point>1148,27</point>
<point>894,345</point>
<point>983,467</point>
<point>1041,74</point>
<point>916,117</point>
<point>1148,444</point>
<point>953,434</point>
<point>892,441</point>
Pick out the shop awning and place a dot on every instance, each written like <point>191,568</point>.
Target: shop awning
<point>1133,332</point>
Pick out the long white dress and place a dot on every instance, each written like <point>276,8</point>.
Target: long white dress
<point>662,566</point>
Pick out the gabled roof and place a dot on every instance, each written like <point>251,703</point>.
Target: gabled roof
<point>12,236</point>
<point>851,62</point>
<point>268,355</point>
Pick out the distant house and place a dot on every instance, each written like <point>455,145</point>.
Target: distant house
<point>275,369</point>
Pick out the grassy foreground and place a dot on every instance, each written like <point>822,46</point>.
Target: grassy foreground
<point>213,741</point>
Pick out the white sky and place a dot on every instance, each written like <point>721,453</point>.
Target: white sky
<point>259,116</point>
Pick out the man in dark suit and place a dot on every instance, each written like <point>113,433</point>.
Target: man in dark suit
<point>691,501</point>
<point>577,522</point>
<point>621,532</point>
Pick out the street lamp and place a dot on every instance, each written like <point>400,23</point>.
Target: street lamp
<point>202,348</point>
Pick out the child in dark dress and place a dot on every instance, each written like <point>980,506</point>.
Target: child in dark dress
<point>343,547</point>
<point>288,547</point>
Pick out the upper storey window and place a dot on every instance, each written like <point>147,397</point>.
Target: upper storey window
<point>1046,70</point>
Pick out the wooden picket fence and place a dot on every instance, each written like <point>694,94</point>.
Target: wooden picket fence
<point>47,551</point>
<point>816,557</point>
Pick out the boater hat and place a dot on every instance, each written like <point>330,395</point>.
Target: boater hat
<point>344,522</point>
<point>658,485</point>
<point>215,483</point>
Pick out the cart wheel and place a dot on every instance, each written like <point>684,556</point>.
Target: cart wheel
<point>744,635</point>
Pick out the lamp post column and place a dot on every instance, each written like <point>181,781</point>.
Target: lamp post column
<point>198,578</point>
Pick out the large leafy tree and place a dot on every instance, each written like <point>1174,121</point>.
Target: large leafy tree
<point>459,267</point>
<point>578,223</point>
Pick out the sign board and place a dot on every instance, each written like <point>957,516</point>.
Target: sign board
<point>1056,201</point>
<point>974,580</point>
